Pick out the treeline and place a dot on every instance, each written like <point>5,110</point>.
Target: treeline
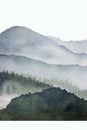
<point>6,76</point>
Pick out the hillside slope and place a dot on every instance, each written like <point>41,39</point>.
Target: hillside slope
<point>50,104</point>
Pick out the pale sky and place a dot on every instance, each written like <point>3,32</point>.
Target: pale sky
<point>66,19</point>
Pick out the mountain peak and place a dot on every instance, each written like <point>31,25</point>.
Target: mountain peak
<point>17,31</point>
<point>17,28</point>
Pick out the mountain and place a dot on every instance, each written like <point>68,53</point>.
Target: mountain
<point>25,42</point>
<point>33,67</point>
<point>78,47</point>
<point>50,104</point>
<point>70,77</point>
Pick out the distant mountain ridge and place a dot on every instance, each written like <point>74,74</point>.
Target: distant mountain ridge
<point>79,47</point>
<point>25,42</point>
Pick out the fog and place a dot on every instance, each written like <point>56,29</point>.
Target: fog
<point>5,100</point>
<point>77,75</point>
<point>11,89</point>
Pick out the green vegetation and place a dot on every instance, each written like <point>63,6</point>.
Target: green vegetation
<point>11,83</point>
<point>50,104</point>
<point>67,86</point>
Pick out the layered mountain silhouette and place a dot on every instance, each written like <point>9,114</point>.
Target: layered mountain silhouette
<point>79,47</point>
<point>47,68</point>
<point>25,42</point>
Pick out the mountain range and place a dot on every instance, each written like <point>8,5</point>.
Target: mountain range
<point>45,59</point>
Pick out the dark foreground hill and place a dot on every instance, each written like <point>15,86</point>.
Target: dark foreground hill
<point>50,104</point>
